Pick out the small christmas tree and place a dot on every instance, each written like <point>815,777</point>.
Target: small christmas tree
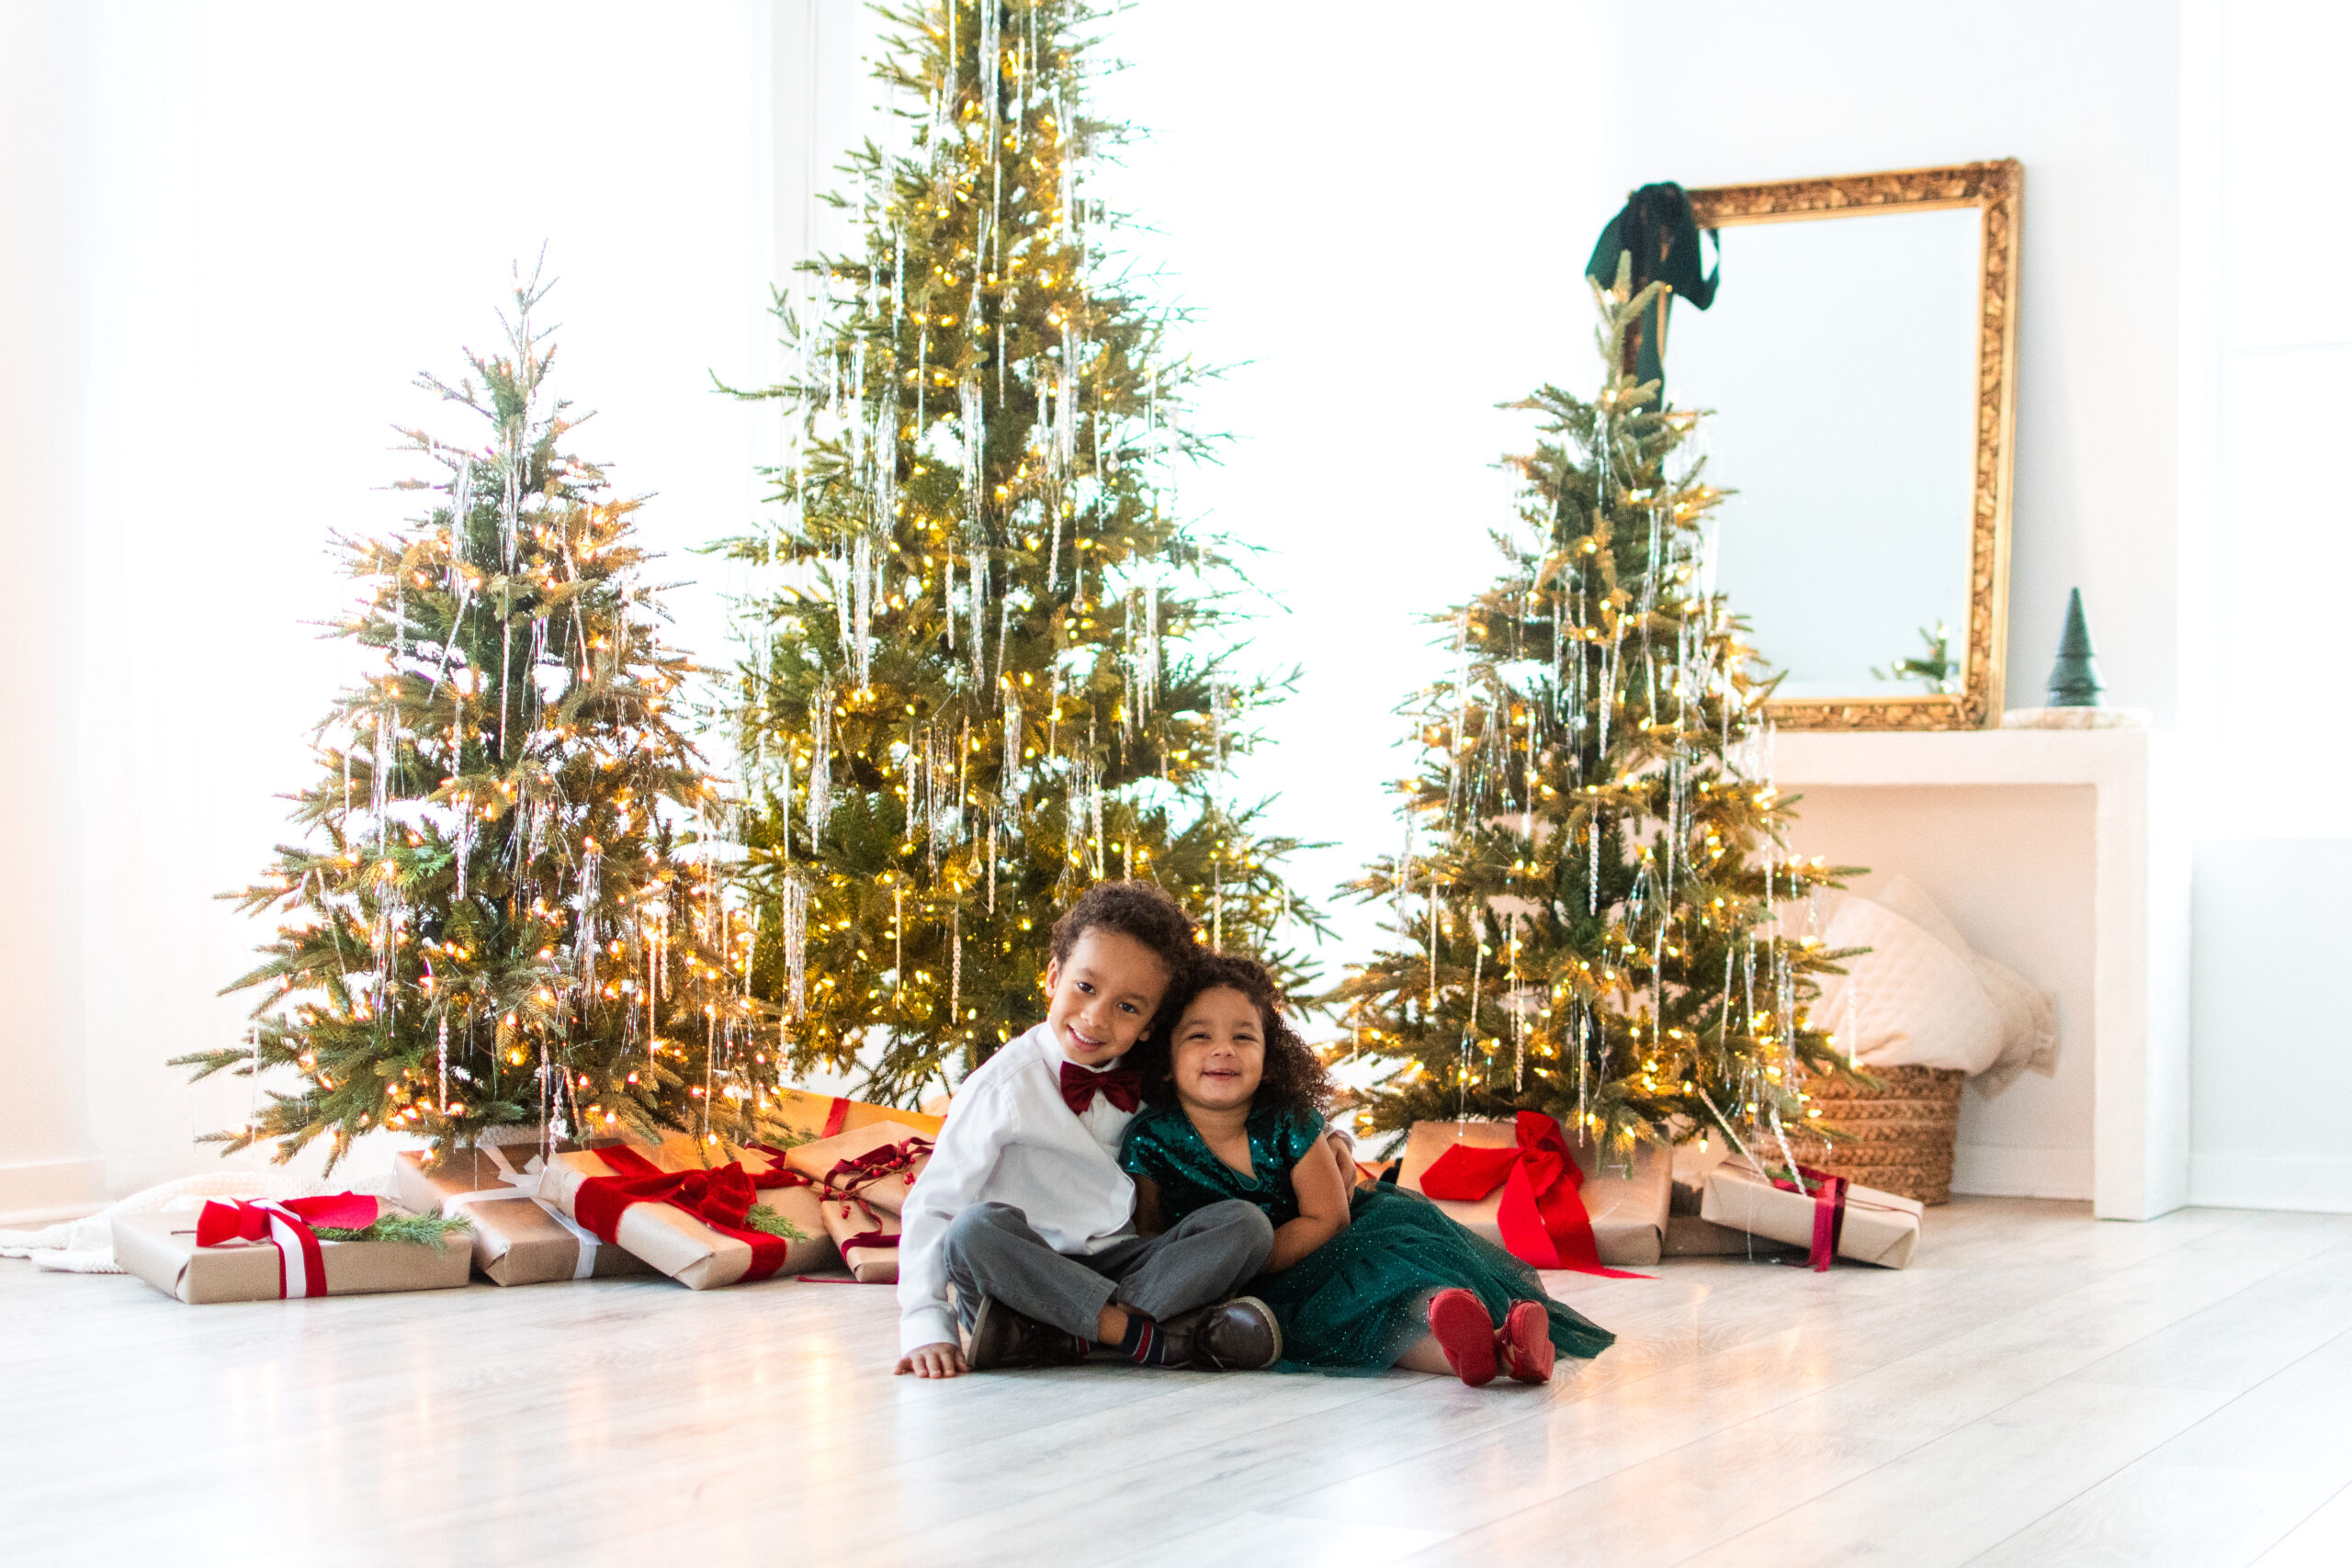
<point>993,674</point>
<point>1585,907</point>
<point>495,918</point>
<point>2074,678</point>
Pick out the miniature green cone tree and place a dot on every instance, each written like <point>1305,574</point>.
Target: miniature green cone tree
<point>2074,677</point>
<point>992,673</point>
<point>494,919</point>
<point>1584,910</point>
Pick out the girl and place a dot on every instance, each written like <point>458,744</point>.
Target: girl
<point>1360,1281</point>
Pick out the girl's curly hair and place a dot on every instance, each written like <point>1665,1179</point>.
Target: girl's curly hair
<point>1295,1079</point>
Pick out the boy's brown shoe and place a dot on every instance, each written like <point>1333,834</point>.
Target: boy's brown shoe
<point>999,1337</point>
<point>1236,1336</point>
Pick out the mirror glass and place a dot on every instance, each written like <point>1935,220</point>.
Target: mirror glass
<point>1839,362</point>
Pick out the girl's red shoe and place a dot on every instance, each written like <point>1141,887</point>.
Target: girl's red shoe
<point>1458,1321</point>
<point>1526,1343</point>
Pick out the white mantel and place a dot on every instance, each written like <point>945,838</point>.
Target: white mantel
<point>2072,844</point>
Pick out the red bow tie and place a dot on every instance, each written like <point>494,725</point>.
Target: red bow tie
<point>1122,1087</point>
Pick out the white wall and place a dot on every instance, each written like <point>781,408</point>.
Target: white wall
<point>47,1155</point>
<point>243,228</point>
<point>2269,395</point>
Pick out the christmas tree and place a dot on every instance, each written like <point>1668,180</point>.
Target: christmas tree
<point>1585,904</point>
<point>497,915</point>
<point>992,671</point>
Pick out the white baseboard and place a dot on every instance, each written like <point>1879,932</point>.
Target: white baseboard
<point>46,1186</point>
<point>2320,1186</point>
<point>1999,1170</point>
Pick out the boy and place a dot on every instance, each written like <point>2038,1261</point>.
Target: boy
<point>1025,1210</point>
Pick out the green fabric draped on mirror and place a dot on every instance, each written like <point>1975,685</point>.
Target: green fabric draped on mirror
<point>1655,229</point>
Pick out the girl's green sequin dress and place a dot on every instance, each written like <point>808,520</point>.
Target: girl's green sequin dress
<point>1350,1305</point>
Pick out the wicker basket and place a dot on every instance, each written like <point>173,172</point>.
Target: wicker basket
<point>1897,1139</point>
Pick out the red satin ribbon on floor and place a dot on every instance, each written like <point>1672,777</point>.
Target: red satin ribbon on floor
<point>1542,1215</point>
<point>836,1117</point>
<point>720,1198</point>
<point>280,1221</point>
<point>1828,1213</point>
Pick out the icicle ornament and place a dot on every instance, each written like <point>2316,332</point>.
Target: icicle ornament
<point>820,764</point>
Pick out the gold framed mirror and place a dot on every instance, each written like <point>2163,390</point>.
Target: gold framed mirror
<point>1859,364</point>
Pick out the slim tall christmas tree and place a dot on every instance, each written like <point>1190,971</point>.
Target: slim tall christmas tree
<point>496,916</point>
<point>992,673</point>
<point>1585,904</point>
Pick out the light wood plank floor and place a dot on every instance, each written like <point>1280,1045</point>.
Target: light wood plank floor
<point>2039,1388</point>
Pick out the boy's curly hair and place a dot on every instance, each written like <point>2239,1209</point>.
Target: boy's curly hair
<point>1295,1077</point>
<point>1136,910</point>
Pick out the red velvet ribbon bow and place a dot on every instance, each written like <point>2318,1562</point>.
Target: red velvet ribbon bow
<point>860,1171</point>
<point>1121,1086</point>
<point>284,1223</point>
<point>720,1198</point>
<point>1542,1215</point>
<point>1828,1212</point>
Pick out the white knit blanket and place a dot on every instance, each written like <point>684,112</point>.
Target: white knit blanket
<point>86,1245</point>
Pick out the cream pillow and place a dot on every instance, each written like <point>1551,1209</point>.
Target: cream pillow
<point>2028,1013</point>
<point>1917,905</point>
<point>1915,1002</point>
<point>2029,1024</point>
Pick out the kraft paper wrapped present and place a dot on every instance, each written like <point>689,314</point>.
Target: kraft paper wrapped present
<point>1693,1160</point>
<point>868,1238</point>
<point>1627,1206</point>
<point>688,1215</point>
<point>519,1238</point>
<point>1864,1223</point>
<point>268,1249</point>
<point>825,1116</point>
<point>878,1162</point>
<point>1688,1236</point>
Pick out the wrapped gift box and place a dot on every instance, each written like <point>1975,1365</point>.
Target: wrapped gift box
<point>679,1243</point>
<point>825,1116</point>
<point>867,1238</point>
<point>1878,1227</point>
<point>519,1239</point>
<point>1628,1207</point>
<point>878,1162</point>
<point>1688,1236</point>
<point>161,1248</point>
<point>1693,1160</point>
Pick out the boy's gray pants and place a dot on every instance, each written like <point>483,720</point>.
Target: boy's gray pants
<point>991,1251</point>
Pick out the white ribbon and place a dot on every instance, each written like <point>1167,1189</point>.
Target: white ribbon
<point>285,1236</point>
<point>524,1184</point>
<point>585,1265</point>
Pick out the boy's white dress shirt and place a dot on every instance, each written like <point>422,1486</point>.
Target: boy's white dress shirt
<point>1011,1138</point>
